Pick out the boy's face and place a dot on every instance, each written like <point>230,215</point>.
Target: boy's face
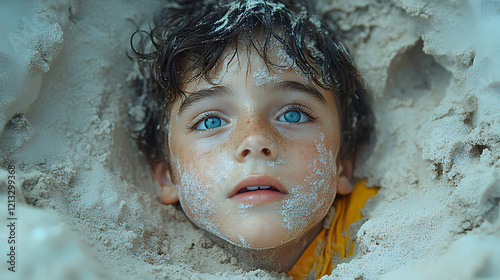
<point>276,131</point>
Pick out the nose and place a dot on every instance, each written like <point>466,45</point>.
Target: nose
<point>256,145</point>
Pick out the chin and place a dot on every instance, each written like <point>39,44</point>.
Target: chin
<point>260,238</point>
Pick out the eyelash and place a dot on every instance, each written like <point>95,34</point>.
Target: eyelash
<point>192,125</point>
<point>297,107</point>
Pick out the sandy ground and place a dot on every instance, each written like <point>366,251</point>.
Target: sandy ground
<point>87,208</point>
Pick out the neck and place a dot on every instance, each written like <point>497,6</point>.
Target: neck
<point>281,258</point>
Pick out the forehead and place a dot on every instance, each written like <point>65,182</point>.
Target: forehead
<point>247,65</point>
<point>248,74</point>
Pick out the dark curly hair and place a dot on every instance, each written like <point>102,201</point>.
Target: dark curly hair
<point>201,32</point>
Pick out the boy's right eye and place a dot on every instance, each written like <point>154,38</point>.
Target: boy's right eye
<point>210,122</point>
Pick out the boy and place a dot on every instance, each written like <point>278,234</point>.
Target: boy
<point>255,111</point>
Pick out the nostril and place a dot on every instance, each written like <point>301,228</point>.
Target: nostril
<point>245,153</point>
<point>266,151</point>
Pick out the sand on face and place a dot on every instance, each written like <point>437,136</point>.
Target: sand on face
<point>88,207</point>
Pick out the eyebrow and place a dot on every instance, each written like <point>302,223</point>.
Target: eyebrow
<point>199,95</point>
<point>309,90</point>
<point>202,94</point>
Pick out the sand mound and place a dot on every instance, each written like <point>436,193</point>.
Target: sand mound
<point>87,208</point>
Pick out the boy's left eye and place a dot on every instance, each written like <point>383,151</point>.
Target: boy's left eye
<point>210,122</point>
<point>293,116</point>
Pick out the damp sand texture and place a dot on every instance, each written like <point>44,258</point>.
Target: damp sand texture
<point>88,208</point>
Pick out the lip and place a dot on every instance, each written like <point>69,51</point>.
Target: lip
<point>259,196</point>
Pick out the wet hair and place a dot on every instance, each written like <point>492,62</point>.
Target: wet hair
<point>194,36</point>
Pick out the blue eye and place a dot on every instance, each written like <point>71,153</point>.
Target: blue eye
<point>293,116</point>
<point>211,122</point>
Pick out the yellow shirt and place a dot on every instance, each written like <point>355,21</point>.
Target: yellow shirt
<point>334,240</point>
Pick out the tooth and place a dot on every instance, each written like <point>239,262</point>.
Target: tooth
<point>252,188</point>
<point>264,187</point>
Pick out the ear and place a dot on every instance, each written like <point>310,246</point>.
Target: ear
<point>168,193</point>
<point>345,168</point>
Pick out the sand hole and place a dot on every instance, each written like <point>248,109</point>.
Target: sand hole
<point>414,74</point>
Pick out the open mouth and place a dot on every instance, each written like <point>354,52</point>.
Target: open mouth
<point>258,190</point>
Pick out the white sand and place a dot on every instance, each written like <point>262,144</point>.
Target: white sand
<point>433,68</point>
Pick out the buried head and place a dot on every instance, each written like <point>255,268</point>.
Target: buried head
<point>259,102</point>
<point>254,164</point>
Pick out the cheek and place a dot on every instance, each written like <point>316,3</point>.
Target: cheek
<point>199,181</point>
<point>315,187</point>
<point>195,197</point>
<point>313,162</point>
<point>207,163</point>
